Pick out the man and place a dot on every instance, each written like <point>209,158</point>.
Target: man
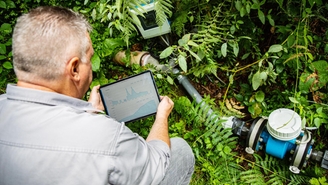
<point>48,135</point>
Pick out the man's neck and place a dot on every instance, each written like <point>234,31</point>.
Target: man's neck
<point>34,86</point>
<point>61,88</point>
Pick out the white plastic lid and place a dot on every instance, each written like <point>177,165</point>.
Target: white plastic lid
<point>284,124</point>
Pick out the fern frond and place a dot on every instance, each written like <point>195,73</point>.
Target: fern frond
<point>296,179</point>
<point>162,9</point>
<point>252,176</point>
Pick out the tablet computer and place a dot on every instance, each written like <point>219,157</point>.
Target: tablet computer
<point>131,98</point>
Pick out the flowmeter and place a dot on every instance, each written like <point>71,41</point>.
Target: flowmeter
<point>280,135</point>
<point>149,27</point>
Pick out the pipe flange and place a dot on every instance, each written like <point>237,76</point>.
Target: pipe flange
<point>299,158</point>
<point>254,134</point>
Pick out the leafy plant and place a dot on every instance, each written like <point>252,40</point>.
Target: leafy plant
<point>263,54</point>
<point>318,181</point>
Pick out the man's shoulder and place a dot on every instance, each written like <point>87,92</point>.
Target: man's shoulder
<point>3,96</point>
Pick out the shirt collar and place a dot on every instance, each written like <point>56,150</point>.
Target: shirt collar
<point>48,98</point>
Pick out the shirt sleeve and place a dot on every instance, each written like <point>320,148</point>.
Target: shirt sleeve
<point>138,161</point>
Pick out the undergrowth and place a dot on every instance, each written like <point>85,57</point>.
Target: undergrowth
<point>257,55</point>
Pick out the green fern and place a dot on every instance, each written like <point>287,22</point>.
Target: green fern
<point>275,171</point>
<point>212,140</point>
<point>122,15</point>
<point>252,176</point>
<point>180,16</point>
<point>163,10</point>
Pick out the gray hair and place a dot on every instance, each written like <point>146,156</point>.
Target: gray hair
<point>45,39</point>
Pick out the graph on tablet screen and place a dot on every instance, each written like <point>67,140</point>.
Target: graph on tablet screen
<point>132,98</point>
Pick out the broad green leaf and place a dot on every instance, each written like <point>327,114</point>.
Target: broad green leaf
<point>259,96</point>
<point>2,49</point>
<point>239,97</point>
<point>238,5</point>
<point>245,56</point>
<point>321,66</point>
<point>184,40</point>
<point>103,79</point>
<point>232,29</point>
<point>224,49</point>
<point>195,55</point>
<point>94,14</point>
<point>242,12</point>
<point>11,4</point>
<point>113,42</point>
<point>255,5</point>
<point>256,80</point>
<point>170,80</point>
<point>182,63</point>
<point>2,57</point>
<point>309,38</point>
<point>95,60</point>
<point>241,22</point>
<point>6,26</point>
<point>257,109</point>
<point>306,82</point>
<point>3,4</point>
<point>293,100</point>
<point>235,49</point>
<point>248,8</point>
<point>317,122</point>
<point>94,82</point>
<point>159,76</point>
<point>192,43</point>
<point>261,16</point>
<point>309,55</point>
<point>200,54</point>
<point>263,76</point>
<point>290,40</point>
<point>167,52</point>
<point>275,48</point>
<point>271,21</point>
<point>251,110</point>
<point>7,65</point>
<point>191,19</point>
<point>101,8</point>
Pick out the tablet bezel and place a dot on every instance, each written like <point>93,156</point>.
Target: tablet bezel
<point>102,87</point>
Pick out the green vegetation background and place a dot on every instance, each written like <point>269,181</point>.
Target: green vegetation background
<point>246,57</point>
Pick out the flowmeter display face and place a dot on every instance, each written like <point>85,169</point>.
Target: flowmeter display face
<point>149,21</point>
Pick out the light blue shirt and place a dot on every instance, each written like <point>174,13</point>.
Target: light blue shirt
<point>50,138</point>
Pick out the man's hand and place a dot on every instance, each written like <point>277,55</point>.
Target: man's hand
<point>95,99</point>
<point>165,107</point>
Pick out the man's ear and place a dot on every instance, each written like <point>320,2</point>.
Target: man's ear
<point>72,68</point>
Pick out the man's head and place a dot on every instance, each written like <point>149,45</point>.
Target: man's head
<point>46,40</point>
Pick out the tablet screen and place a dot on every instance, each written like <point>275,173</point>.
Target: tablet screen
<point>131,98</point>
